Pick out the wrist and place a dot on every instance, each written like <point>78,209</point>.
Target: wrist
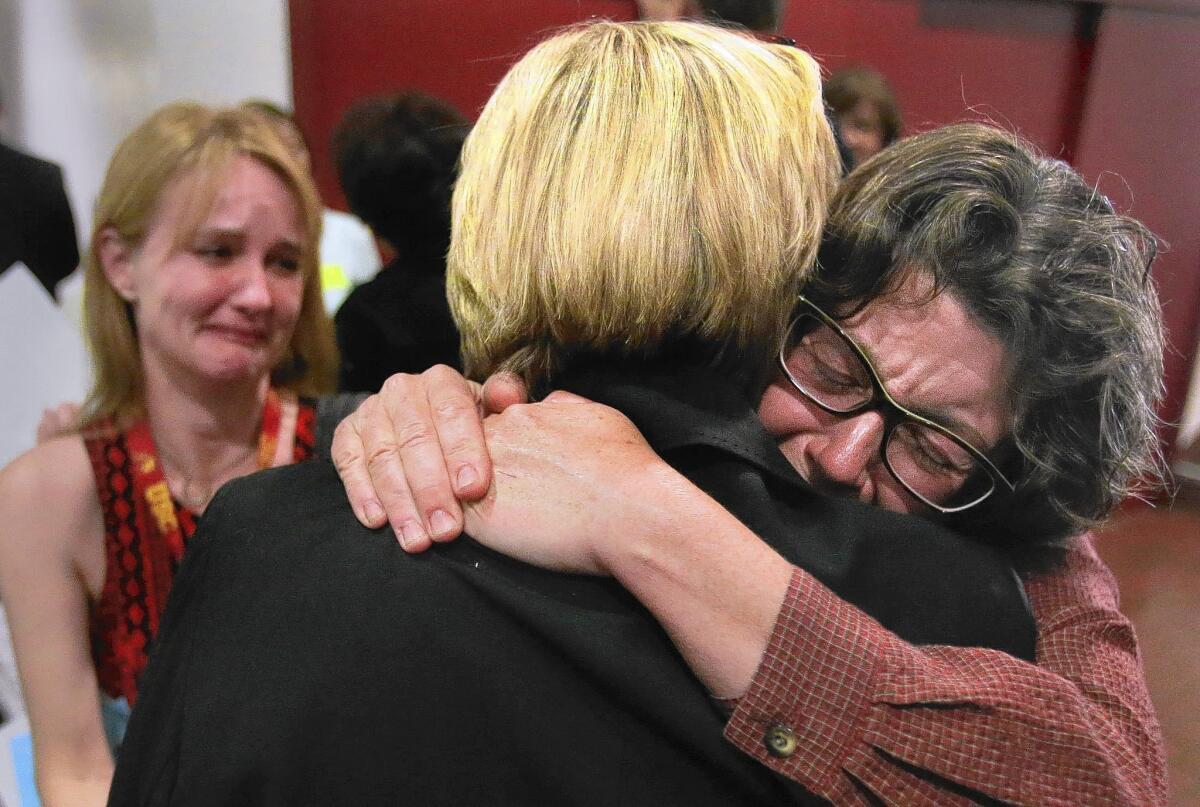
<point>662,503</point>
<point>714,585</point>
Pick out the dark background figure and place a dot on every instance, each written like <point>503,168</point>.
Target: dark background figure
<point>36,225</point>
<point>756,15</point>
<point>396,159</point>
<point>865,111</point>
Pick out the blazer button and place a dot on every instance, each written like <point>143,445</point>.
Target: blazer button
<point>780,741</point>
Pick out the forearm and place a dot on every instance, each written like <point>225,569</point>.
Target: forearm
<point>869,710</point>
<point>80,781</point>
<point>713,584</point>
<point>73,763</point>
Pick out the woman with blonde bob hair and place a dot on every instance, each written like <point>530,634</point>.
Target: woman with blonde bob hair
<point>204,318</point>
<point>602,207</point>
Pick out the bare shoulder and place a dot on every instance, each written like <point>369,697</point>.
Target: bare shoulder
<point>48,501</point>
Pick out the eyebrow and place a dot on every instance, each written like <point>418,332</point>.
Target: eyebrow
<point>943,417</point>
<point>236,232</point>
<point>219,232</point>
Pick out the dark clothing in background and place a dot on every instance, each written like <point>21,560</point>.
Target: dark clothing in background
<point>398,322</point>
<point>36,226</point>
<point>307,660</point>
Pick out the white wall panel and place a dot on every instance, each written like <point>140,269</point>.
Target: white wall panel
<point>86,71</point>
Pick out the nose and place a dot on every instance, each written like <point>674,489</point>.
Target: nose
<point>841,459</point>
<point>253,293</point>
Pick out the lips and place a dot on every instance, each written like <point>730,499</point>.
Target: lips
<point>241,334</point>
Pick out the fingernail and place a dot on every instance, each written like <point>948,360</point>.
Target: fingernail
<point>372,512</point>
<point>467,477</point>
<point>410,534</point>
<point>440,522</point>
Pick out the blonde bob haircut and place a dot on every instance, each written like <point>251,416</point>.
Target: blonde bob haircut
<point>633,184</point>
<point>192,144</point>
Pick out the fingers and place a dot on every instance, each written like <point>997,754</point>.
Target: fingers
<point>47,427</point>
<point>367,458</point>
<point>348,454</point>
<point>502,390</point>
<point>455,404</point>
<point>404,456</point>
<point>408,453</point>
<point>57,421</point>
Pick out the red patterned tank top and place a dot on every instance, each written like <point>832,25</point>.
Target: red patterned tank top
<point>142,556</point>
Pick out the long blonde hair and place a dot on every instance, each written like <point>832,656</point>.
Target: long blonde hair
<point>196,143</point>
<point>628,184</point>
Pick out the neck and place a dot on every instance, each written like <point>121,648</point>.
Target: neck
<point>206,433</point>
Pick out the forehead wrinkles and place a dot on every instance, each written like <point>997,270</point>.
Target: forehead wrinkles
<point>933,357</point>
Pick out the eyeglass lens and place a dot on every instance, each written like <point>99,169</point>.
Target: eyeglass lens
<point>932,465</point>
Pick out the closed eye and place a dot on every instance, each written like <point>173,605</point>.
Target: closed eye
<point>215,253</point>
<point>834,377</point>
<point>285,259</point>
<point>944,459</point>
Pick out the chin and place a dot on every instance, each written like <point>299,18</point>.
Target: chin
<point>243,366</point>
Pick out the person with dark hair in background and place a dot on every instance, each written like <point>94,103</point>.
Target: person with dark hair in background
<point>396,159</point>
<point>865,111</point>
<point>762,16</point>
<point>36,225</point>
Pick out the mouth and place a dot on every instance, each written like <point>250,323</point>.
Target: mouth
<point>241,334</point>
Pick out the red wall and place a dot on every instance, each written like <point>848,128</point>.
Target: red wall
<point>1120,96</point>
<point>1138,138</point>
<point>344,49</point>
<point>947,61</point>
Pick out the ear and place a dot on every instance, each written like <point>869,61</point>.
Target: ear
<point>116,259</point>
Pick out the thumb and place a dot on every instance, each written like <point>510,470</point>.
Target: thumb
<point>502,390</point>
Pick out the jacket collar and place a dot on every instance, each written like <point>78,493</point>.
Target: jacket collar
<point>680,404</point>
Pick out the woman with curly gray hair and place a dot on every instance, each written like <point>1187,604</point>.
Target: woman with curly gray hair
<point>980,345</point>
<point>1041,261</point>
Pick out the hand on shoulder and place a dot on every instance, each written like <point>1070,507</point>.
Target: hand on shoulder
<point>566,472</point>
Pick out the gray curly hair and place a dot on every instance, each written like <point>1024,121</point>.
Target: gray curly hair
<point>1044,263</point>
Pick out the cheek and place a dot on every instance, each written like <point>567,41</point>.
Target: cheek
<point>890,495</point>
<point>790,419</point>
<point>181,296</point>
<point>288,297</point>
<point>188,287</point>
<point>784,414</point>
<point>198,295</point>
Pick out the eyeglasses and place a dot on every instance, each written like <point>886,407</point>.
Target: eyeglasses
<point>934,464</point>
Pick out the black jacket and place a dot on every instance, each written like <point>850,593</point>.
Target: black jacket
<point>399,322</point>
<point>306,660</point>
<point>36,226</point>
